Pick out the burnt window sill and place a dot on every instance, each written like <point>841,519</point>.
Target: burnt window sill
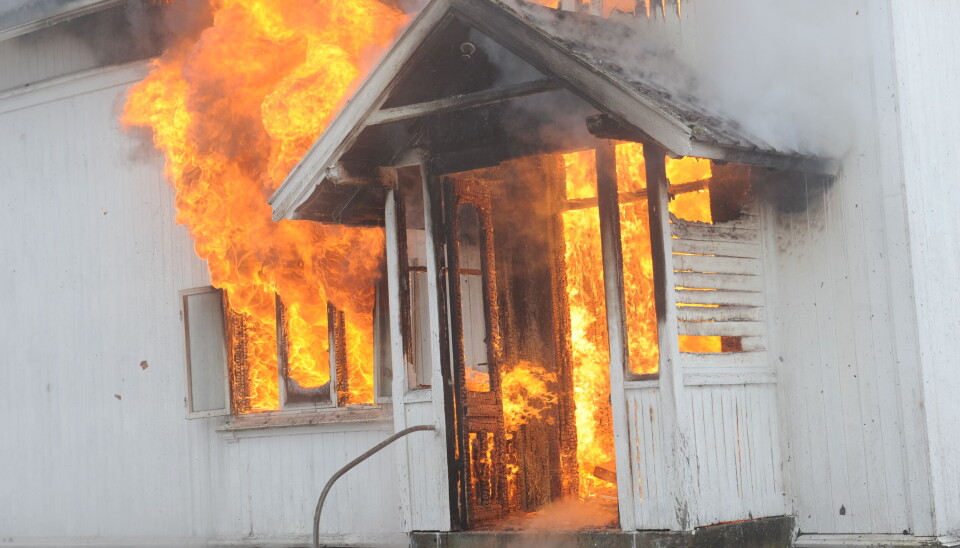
<point>354,417</point>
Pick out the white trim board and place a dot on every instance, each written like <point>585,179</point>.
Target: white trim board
<point>71,85</point>
<point>892,541</point>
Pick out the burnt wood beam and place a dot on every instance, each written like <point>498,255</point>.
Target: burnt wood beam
<point>462,102</point>
<point>605,126</point>
<point>489,156</point>
<point>637,195</point>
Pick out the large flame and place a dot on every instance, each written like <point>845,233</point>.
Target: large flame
<point>233,111</point>
<point>585,292</point>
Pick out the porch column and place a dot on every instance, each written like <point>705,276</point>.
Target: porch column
<point>609,209</point>
<point>445,405</point>
<point>675,414</point>
<point>396,272</point>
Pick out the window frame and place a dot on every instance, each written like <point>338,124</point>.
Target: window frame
<point>227,408</point>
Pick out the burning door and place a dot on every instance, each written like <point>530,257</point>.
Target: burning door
<point>509,350</point>
<point>476,348</point>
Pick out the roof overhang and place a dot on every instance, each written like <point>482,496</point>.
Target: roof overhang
<point>334,175</point>
<point>21,18</point>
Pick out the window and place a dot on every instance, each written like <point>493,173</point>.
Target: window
<point>203,320</point>
<point>419,353</point>
<point>229,371</point>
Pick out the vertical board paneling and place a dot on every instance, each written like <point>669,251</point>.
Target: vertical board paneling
<point>738,464</point>
<point>925,41</point>
<point>428,472</point>
<point>96,447</point>
<point>653,490</point>
<point>737,461</point>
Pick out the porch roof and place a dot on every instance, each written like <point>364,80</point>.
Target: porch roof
<point>419,87</point>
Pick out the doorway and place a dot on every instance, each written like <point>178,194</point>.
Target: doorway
<point>512,349</point>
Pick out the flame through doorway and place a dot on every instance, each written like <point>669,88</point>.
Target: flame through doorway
<point>528,328</point>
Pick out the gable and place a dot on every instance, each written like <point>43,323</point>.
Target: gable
<point>476,82</point>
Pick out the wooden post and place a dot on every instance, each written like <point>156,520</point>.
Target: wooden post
<point>609,211</point>
<point>395,270</point>
<point>675,415</point>
<point>445,405</point>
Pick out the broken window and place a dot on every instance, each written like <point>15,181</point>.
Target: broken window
<point>716,257</point>
<point>222,344</point>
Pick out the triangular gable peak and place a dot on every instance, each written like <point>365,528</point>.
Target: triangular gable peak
<point>476,82</point>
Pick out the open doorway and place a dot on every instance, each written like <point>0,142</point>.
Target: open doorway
<point>529,344</point>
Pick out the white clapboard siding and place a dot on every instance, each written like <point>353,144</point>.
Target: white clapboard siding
<point>718,271</point>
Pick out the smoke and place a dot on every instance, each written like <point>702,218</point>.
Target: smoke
<point>786,74</point>
<point>138,29</point>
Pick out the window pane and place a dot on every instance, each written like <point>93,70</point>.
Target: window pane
<point>419,358</point>
<point>383,356</point>
<point>473,314</point>
<point>638,290</point>
<point>206,350</point>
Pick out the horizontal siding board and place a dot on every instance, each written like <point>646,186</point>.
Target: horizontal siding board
<point>722,329</point>
<point>713,233</point>
<point>722,265</point>
<point>750,250</point>
<point>719,314</point>
<point>732,282</point>
<point>732,298</point>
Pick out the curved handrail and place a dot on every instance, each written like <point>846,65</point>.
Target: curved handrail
<point>373,450</point>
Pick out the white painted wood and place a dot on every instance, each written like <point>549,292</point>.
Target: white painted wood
<point>721,329</point>
<point>732,298</point>
<point>720,314</point>
<point>395,272</point>
<point>606,169</point>
<point>685,230</point>
<point>676,420</point>
<point>923,42</point>
<point>731,282</point>
<point>892,541</point>
<point>717,263</point>
<point>737,457</point>
<point>436,507</point>
<point>721,248</point>
<point>207,381</point>
<point>96,446</point>
<point>649,460</point>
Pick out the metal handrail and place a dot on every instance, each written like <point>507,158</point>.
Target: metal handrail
<point>376,448</point>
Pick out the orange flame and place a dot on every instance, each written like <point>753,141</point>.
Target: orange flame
<point>233,111</point>
<point>526,394</point>
<point>585,292</point>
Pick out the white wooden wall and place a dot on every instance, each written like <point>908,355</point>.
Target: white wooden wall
<point>728,404</point>
<point>843,340</point>
<point>95,448</point>
<point>41,55</point>
<point>925,42</point>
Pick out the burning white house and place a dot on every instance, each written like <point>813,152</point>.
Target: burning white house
<point>646,274</point>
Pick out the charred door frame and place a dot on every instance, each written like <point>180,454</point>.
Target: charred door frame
<point>436,274</point>
<point>456,193</point>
